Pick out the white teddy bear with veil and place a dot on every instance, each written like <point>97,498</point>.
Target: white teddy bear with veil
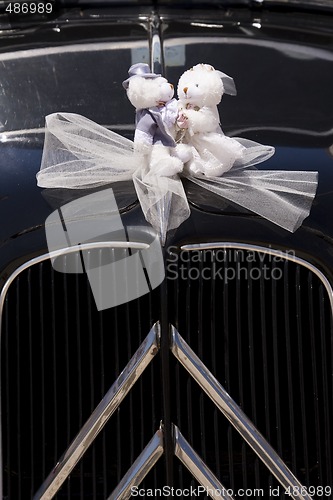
<point>200,90</point>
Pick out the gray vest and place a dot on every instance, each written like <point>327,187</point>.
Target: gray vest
<point>149,121</point>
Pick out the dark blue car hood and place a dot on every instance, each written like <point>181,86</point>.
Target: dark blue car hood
<point>283,69</point>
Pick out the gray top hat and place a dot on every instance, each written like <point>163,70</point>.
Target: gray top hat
<point>139,69</point>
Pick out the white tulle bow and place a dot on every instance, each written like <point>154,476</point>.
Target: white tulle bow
<point>79,153</point>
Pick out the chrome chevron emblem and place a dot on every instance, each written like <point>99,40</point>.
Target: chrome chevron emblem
<point>151,454</point>
<point>234,414</point>
<point>142,465</point>
<point>155,448</point>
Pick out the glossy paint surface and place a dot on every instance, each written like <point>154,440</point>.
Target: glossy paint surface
<point>282,63</point>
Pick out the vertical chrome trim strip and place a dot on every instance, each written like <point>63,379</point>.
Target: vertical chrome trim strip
<point>234,414</point>
<point>267,251</point>
<point>140,468</point>
<point>156,53</point>
<point>198,468</point>
<point>112,399</point>
<point>156,49</point>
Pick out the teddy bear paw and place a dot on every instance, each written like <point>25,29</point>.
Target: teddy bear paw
<point>184,152</point>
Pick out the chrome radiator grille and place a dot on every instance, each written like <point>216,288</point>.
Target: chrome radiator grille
<point>269,343</point>
<point>59,357</point>
<point>266,337</point>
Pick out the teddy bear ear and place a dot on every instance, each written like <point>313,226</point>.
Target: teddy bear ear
<point>228,83</point>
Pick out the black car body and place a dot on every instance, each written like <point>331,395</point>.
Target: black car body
<point>267,341</point>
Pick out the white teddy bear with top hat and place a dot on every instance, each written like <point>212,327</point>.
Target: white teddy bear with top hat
<point>156,114</point>
<point>200,90</point>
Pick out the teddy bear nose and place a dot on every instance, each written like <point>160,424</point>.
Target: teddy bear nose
<point>185,89</point>
<point>171,85</point>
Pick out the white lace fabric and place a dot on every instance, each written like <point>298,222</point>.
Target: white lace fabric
<point>78,153</point>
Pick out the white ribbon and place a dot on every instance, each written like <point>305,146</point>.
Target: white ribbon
<point>79,153</point>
